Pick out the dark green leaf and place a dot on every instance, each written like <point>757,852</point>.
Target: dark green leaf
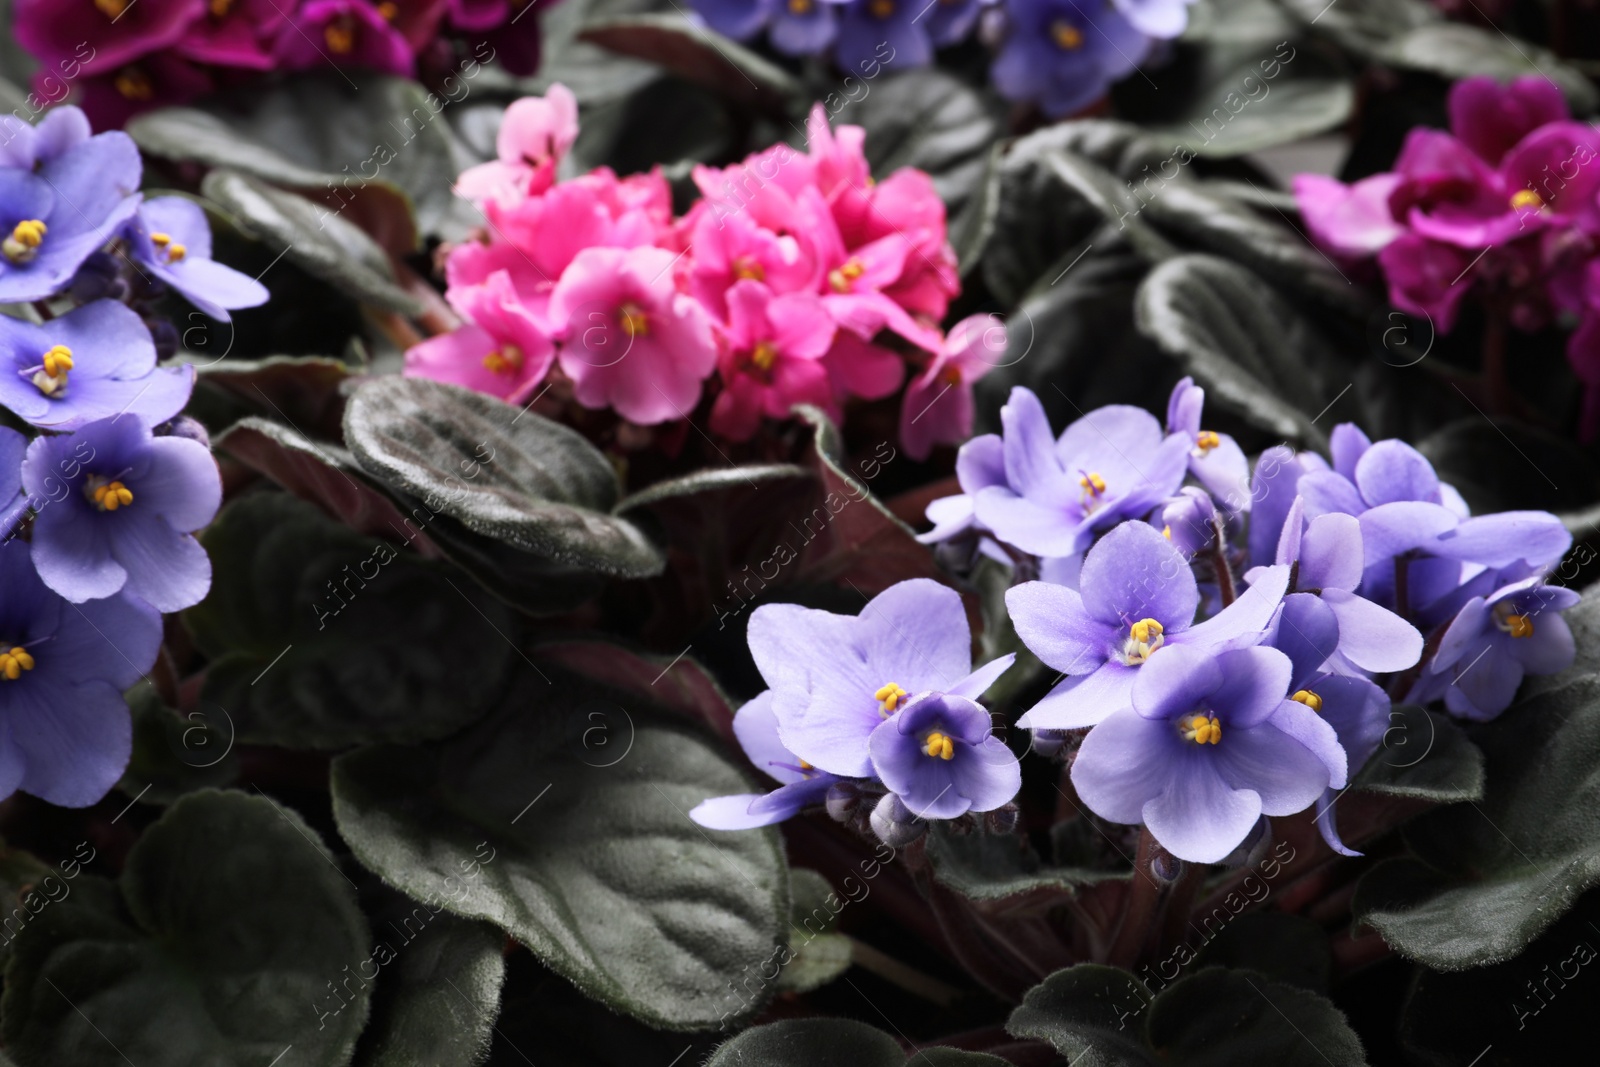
<point>1453,50</point>
<point>818,956</point>
<point>995,868</point>
<point>239,929</point>
<point>592,862</point>
<point>1113,198</point>
<point>322,638</point>
<point>502,472</point>
<point>973,226</point>
<point>1363,26</point>
<point>318,240</point>
<point>1286,948</point>
<point>709,481</point>
<point>702,56</point>
<point>303,391</point>
<point>439,990</point>
<point>1424,755</point>
<point>677,683</point>
<point>1505,464</point>
<point>1489,877</point>
<point>1103,1017</point>
<point>1037,222</point>
<point>174,755</point>
<point>811,1043</point>
<point>1254,354</point>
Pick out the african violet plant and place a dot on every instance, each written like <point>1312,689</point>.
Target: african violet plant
<point>849,532</point>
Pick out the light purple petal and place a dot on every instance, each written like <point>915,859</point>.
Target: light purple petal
<point>986,774</point>
<point>167,569</point>
<point>73,554</point>
<point>76,739</point>
<point>1549,649</point>
<point>1198,817</point>
<point>1391,529</point>
<point>1328,493</point>
<point>1052,622</point>
<point>1308,633</point>
<point>1029,526</point>
<point>755,724</point>
<point>1330,553</point>
<point>1289,760</point>
<point>1173,681</point>
<point>1244,621</point>
<point>1084,701</point>
<point>1032,468</point>
<point>1392,471</point>
<point>1347,444</point>
<point>1125,763</point>
<point>915,634</point>
<point>1501,539</point>
<point>1373,637</point>
<point>1254,682</point>
<point>1134,573</point>
<point>1225,472</point>
<point>978,682</point>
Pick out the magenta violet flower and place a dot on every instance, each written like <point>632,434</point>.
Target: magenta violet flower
<point>1208,744</point>
<point>771,359</point>
<point>324,32</point>
<point>937,408</point>
<point>123,521</point>
<point>63,668</point>
<point>95,361</point>
<point>114,31</point>
<point>1136,596</point>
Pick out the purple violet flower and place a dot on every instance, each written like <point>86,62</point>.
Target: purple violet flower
<point>93,362</point>
<point>1493,642</point>
<point>1189,521</point>
<point>1209,743</point>
<point>836,678</point>
<point>342,31</point>
<point>13,504</point>
<point>67,733</point>
<point>1162,19</point>
<point>882,33</point>
<point>939,756</point>
<point>1064,54</point>
<point>25,146</point>
<point>756,727</point>
<point>737,19</point>
<point>52,218</point>
<point>171,237</point>
<point>1112,464</point>
<point>1215,459</point>
<point>980,464</point>
<point>119,518</point>
<point>1138,596</point>
<point>113,31</point>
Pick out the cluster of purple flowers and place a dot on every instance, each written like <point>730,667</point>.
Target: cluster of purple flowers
<point>1505,206</point>
<point>98,509</point>
<point>1060,55</point>
<point>1231,645</point>
<point>129,56</point>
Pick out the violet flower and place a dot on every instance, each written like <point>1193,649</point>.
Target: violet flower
<point>1064,54</point>
<point>1209,743</point>
<point>25,146</point>
<point>756,727</point>
<point>1112,464</point>
<point>351,32</point>
<point>63,668</point>
<point>95,361</point>
<point>886,33</point>
<point>1136,596</point>
<point>1215,459</point>
<point>112,32</point>
<point>53,218</point>
<point>837,678</point>
<point>171,238</point>
<point>1493,642</point>
<point>939,756</point>
<point>122,523</point>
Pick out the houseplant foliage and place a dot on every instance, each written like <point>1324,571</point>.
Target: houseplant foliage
<point>812,532</point>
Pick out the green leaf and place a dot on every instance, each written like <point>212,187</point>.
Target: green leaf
<point>1362,26</point>
<point>997,868</point>
<point>1102,190</point>
<point>1099,1016</point>
<point>1209,221</point>
<point>504,473</point>
<point>711,480</point>
<point>1453,50</point>
<point>817,1042</point>
<point>1286,948</point>
<point>174,755</point>
<point>1426,756</point>
<point>592,863</point>
<point>1255,354</point>
<point>239,927</point>
<point>817,956</point>
<point>702,56</point>
<point>677,683</point>
<point>319,241</point>
<point>1489,877</point>
<point>439,987</point>
<point>322,638</point>
<point>303,391</point>
<point>973,225</point>
<point>1038,225</point>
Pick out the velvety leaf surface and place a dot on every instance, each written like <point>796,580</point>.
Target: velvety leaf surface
<point>810,1042</point>
<point>238,926</point>
<point>702,56</point>
<point>590,861</point>
<point>1424,755</point>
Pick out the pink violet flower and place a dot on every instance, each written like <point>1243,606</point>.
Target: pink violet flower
<point>1348,220</point>
<point>523,349</point>
<point>937,409</point>
<point>152,81</point>
<point>535,135</point>
<point>772,359</point>
<point>1490,117</point>
<point>733,248</point>
<point>232,33</point>
<point>630,340</point>
<point>114,32</point>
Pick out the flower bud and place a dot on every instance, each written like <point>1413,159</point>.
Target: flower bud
<point>1003,820</point>
<point>1188,520</point>
<point>842,800</point>
<point>894,824</point>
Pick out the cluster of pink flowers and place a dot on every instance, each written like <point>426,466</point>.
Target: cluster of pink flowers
<point>1506,205</point>
<point>794,279</point>
<point>121,57</point>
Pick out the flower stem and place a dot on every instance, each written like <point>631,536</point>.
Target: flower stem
<point>1139,911</point>
<point>1219,563</point>
<point>1496,386</point>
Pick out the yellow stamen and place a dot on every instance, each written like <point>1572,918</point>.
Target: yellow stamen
<point>112,9</point>
<point>1166,531</point>
<point>940,746</point>
<point>24,242</point>
<point>1202,729</point>
<point>1144,637</point>
<point>799,7</point>
<point>763,356</point>
<point>58,361</point>
<point>888,697</point>
<point>14,662</point>
<point>746,268</point>
<point>388,10</point>
<point>133,84</point>
<point>951,376</point>
<point>220,8</point>
<point>1093,485</point>
<point>1516,625</point>
<point>108,496</point>
<point>633,320</point>
<point>843,277</point>
<point>165,244</point>
<point>883,9</point>
<point>1066,35</point>
<point>340,35</point>
<point>804,766</point>
<point>504,360</point>
<point>1526,198</point>
<point>1309,699</point>
<point>1206,440</point>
